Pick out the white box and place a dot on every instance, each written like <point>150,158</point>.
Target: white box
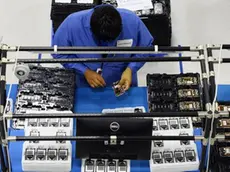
<point>46,165</point>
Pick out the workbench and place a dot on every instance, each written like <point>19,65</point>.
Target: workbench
<point>89,100</point>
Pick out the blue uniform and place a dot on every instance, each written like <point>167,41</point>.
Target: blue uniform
<point>75,31</point>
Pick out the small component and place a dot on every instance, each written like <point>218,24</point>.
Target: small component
<point>61,134</point>
<point>64,122</point>
<point>41,154</point>
<point>163,124</point>
<point>18,124</point>
<point>189,106</point>
<point>158,143</point>
<point>224,108</point>
<point>122,166</point>
<point>221,108</point>
<point>155,125</point>
<point>173,123</point>
<point>159,107</point>
<point>187,81</point>
<point>29,154</point>
<point>224,151</point>
<point>184,142</point>
<point>111,166</point>
<point>188,93</point>
<point>32,85</point>
<point>157,158</point>
<point>63,154</point>
<point>33,122</point>
<point>89,166</point>
<point>43,122</point>
<point>139,12</point>
<point>190,155</point>
<point>118,90</point>
<point>184,123</point>
<point>35,133</point>
<point>30,97</point>
<point>168,157</point>
<point>100,166</point>
<point>54,122</point>
<point>138,110</point>
<point>224,123</point>
<point>179,156</point>
<point>52,154</point>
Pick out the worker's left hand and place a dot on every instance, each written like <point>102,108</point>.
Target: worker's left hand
<point>126,79</point>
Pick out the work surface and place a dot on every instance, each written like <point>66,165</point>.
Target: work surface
<point>88,100</point>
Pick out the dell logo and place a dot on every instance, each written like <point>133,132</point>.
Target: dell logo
<point>114,126</point>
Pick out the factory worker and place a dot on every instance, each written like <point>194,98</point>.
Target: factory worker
<point>103,25</point>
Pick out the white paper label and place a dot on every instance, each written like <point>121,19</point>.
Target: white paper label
<point>85,1</point>
<point>135,5</point>
<point>62,1</point>
<point>125,43</point>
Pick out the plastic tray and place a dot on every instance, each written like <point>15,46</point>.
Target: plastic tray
<point>181,92</point>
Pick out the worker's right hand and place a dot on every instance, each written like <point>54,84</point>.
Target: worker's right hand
<point>94,79</point>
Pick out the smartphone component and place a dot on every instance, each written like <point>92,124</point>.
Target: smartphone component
<point>30,154</point>
<point>184,123</point>
<point>163,124</point>
<point>190,155</point>
<point>41,154</point>
<point>173,123</point>
<point>157,158</point>
<point>168,157</point>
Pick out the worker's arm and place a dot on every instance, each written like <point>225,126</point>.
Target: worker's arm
<point>145,39</point>
<point>62,38</point>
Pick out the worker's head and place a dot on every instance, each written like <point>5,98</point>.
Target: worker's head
<point>106,23</point>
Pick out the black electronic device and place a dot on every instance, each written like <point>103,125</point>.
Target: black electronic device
<point>156,19</point>
<point>134,150</point>
<point>173,93</point>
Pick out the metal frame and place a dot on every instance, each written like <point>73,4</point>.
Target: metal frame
<point>206,115</point>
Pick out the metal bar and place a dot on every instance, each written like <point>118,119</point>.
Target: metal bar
<point>226,46</point>
<point>100,50</point>
<point>100,138</point>
<point>108,115</point>
<point>225,60</point>
<point>211,75</point>
<point>227,137</point>
<point>2,103</point>
<point>212,91</point>
<point>111,60</point>
<point>202,161</point>
<point>2,106</point>
<point>207,106</point>
<point>3,165</point>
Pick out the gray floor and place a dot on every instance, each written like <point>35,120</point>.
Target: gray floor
<point>194,22</point>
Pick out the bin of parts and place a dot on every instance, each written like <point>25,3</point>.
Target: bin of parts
<point>45,89</point>
<point>60,10</point>
<point>220,157</point>
<point>156,18</point>
<point>174,93</point>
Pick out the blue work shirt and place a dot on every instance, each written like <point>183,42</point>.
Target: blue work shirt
<point>75,31</point>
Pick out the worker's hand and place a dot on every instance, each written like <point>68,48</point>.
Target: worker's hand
<point>126,79</point>
<point>94,79</point>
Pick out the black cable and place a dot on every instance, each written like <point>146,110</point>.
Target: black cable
<point>207,104</point>
<point>100,138</point>
<point>226,60</point>
<point>101,49</point>
<point>101,60</point>
<point>3,166</point>
<point>107,115</point>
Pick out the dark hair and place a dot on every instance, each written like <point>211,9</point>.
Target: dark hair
<point>106,23</point>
